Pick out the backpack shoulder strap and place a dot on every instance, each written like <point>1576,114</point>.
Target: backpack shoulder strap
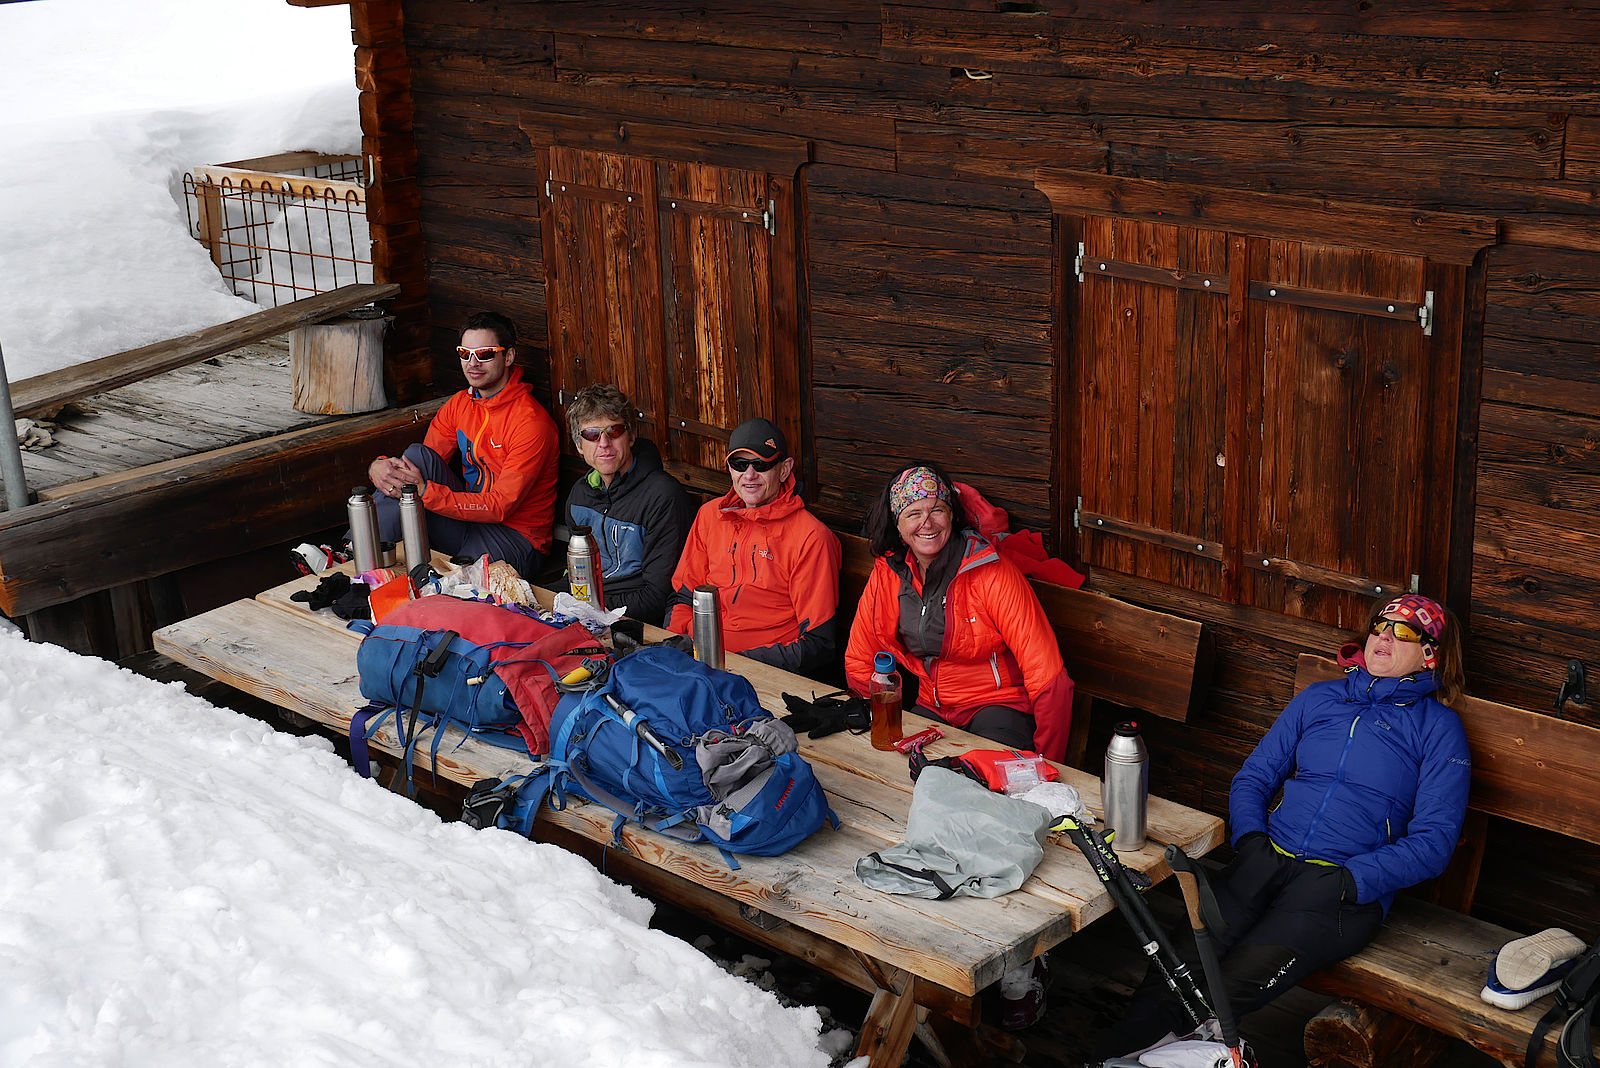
<point>1577,996</point>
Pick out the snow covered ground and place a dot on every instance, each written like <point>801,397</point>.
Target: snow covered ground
<point>184,886</point>
<point>104,104</point>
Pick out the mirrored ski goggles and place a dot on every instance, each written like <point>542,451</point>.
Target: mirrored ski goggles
<point>741,464</point>
<point>595,433</point>
<point>483,355</point>
<point>1403,632</point>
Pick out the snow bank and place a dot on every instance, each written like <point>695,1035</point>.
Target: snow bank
<point>185,886</point>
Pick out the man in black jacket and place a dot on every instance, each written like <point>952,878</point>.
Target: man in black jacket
<point>638,513</point>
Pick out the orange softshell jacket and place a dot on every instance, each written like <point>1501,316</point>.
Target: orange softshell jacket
<point>509,446</point>
<point>989,610</point>
<point>776,567</point>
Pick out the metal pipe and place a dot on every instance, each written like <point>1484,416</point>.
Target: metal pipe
<point>10,448</point>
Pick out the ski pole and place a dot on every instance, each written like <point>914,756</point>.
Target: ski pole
<point>1175,970</point>
<point>1152,941</point>
<point>1203,915</point>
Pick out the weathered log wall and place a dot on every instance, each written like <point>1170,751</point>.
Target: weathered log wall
<point>932,282</point>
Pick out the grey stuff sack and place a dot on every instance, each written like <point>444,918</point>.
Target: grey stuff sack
<point>961,838</point>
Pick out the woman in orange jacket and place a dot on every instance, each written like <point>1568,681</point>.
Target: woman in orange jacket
<point>959,618</point>
<point>963,621</point>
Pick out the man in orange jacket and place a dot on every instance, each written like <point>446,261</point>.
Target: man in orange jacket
<point>775,565</point>
<point>486,470</point>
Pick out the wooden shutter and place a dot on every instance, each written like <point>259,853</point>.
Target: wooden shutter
<point>1340,371</point>
<point>718,227</point>
<point>603,277</point>
<point>676,281</point>
<point>1260,418</point>
<point>1149,345</point>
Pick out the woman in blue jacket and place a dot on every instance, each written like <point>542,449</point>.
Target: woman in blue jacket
<point>1374,771</point>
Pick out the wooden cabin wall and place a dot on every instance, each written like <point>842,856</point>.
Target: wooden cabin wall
<point>929,297</point>
<point>932,283</point>
<point>1536,561</point>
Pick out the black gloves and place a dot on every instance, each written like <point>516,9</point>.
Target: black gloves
<point>328,591</point>
<point>828,714</point>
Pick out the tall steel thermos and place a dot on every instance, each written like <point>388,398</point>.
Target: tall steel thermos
<point>363,529</point>
<point>583,568</point>
<point>414,529</point>
<point>708,627</point>
<point>1126,787</point>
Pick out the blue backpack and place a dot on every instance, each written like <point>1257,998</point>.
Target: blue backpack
<point>440,661</point>
<point>666,741</point>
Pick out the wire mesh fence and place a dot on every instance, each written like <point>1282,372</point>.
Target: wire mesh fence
<point>283,227</point>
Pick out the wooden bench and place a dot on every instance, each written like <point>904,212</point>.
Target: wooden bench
<point>925,962</point>
<point>1430,960</point>
<point>1131,656</point>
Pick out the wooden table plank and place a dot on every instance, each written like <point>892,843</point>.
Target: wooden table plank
<point>278,649</point>
<point>240,644</point>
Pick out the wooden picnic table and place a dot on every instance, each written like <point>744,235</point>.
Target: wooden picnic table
<point>914,955</point>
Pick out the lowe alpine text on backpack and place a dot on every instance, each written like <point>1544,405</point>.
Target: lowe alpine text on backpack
<point>682,748</point>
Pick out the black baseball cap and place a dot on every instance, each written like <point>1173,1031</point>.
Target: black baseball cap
<point>759,438</point>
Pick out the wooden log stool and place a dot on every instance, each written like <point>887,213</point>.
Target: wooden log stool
<point>337,364</point>
<point>1351,1035</point>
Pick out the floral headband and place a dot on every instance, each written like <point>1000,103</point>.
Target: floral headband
<point>915,484</point>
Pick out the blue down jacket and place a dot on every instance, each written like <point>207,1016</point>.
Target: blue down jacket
<point>1374,772</point>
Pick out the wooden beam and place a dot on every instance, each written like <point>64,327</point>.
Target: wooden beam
<point>1349,1035</point>
<point>325,189</point>
<point>279,162</point>
<point>151,522</point>
<point>1441,236</point>
<point>42,392</point>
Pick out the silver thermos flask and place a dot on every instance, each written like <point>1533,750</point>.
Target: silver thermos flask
<point>414,529</point>
<point>1126,787</point>
<point>584,576</point>
<point>363,529</point>
<point>708,627</point>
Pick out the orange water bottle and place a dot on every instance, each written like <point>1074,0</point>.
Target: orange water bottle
<point>884,691</point>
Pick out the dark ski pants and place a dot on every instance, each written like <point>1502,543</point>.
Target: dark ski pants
<point>1285,919</point>
<point>457,537</point>
<point>998,723</point>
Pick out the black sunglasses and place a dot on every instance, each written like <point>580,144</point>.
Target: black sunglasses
<point>742,464</point>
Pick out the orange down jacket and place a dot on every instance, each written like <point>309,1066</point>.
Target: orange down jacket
<point>508,447</point>
<point>998,647</point>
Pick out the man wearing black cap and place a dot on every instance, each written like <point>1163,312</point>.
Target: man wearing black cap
<point>775,565</point>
